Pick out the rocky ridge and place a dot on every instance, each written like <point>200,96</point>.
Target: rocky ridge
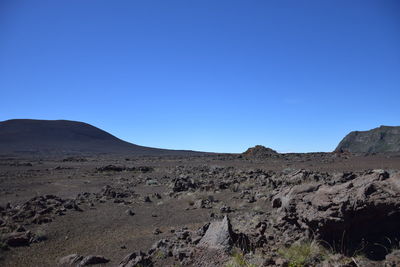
<point>378,140</point>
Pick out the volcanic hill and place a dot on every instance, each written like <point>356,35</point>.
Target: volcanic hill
<point>67,137</point>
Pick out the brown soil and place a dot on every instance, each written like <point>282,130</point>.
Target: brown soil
<point>105,229</point>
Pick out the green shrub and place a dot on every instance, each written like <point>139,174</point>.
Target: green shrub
<point>238,260</point>
<point>303,253</point>
<point>40,235</point>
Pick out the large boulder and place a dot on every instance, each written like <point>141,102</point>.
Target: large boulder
<point>219,235</point>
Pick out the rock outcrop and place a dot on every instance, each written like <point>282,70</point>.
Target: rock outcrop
<point>382,139</point>
<point>362,214</point>
<point>219,235</point>
<point>259,152</point>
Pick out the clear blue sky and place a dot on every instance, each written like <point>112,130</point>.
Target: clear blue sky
<point>205,75</point>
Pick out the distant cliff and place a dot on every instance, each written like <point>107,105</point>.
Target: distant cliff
<point>382,139</point>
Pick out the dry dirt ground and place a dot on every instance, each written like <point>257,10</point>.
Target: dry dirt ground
<point>79,205</point>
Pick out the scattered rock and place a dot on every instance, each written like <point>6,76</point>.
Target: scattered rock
<point>111,168</point>
<point>70,260</point>
<point>18,239</point>
<point>157,231</point>
<point>151,182</point>
<point>281,262</point>
<point>135,260</point>
<point>93,259</point>
<point>393,259</point>
<point>183,184</point>
<point>226,209</point>
<point>78,260</point>
<point>129,212</point>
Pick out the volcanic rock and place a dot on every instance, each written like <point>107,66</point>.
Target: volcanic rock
<point>382,139</point>
<point>360,213</point>
<point>70,260</point>
<point>393,259</point>
<point>53,137</point>
<point>136,259</point>
<point>18,239</point>
<point>93,259</point>
<point>219,235</point>
<point>259,152</point>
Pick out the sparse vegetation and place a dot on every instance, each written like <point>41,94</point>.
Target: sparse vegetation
<point>303,253</point>
<point>159,254</point>
<point>238,260</point>
<point>40,235</point>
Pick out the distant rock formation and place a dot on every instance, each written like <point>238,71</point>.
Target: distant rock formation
<point>259,152</point>
<point>50,137</point>
<point>382,139</point>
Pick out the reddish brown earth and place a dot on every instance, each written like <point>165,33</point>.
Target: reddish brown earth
<point>103,227</point>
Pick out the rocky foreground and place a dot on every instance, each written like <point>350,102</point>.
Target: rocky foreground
<point>206,215</point>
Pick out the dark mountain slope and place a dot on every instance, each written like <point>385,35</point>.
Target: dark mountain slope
<point>67,137</point>
<point>382,139</point>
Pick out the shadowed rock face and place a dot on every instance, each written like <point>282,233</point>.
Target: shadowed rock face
<point>362,214</point>
<point>66,137</point>
<point>382,139</point>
